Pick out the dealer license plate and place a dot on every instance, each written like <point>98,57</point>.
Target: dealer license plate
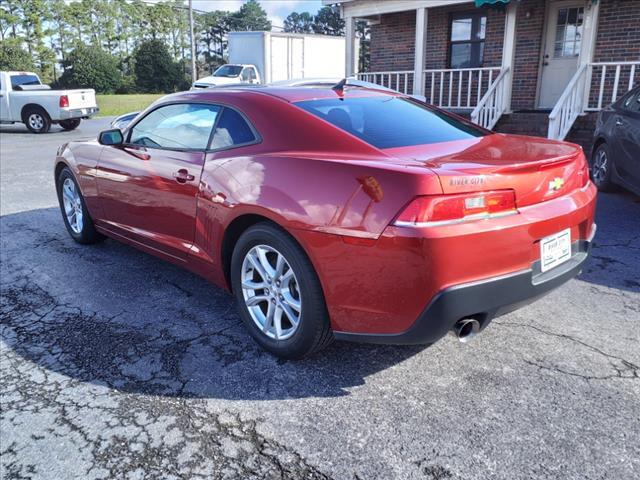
<point>555,249</point>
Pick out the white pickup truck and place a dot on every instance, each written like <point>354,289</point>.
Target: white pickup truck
<point>24,99</point>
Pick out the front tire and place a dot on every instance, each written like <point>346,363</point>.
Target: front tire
<point>71,124</point>
<point>74,211</point>
<point>601,167</point>
<point>278,293</point>
<point>37,120</point>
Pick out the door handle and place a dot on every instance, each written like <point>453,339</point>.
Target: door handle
<point>139,152</point>
<point>183,176</point>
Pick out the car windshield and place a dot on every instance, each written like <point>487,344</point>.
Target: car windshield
<point>17,80</point>
<point>228,71</point>
<point>389,121</point>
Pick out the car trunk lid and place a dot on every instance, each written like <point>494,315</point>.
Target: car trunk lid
<point>537,169</point>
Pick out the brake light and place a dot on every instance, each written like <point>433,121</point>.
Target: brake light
<point>64,101</point>
<point>443,209</point>
<point>584,172</point>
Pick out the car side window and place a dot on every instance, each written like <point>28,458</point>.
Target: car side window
<point>632,103</point>
<point>232,130</point>
<point>178,126</point>
<point>245,75</point>
<point>627,102</point>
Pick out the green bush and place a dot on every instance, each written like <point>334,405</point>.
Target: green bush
<point>91,67</point>
<point>156,72</point>
<point>13,57</point>
<point>128,84</point>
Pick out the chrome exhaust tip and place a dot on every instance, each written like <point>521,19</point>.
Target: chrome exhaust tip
<point>466,329</point>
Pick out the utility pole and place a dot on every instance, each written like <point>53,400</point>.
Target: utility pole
<point>194,74</point>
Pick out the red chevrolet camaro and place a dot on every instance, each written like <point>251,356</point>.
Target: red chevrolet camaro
<point>345,212</point>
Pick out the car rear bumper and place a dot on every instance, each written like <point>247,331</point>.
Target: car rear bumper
<point>482,300</point>
<point>388,288</point>
<point>67,114</point>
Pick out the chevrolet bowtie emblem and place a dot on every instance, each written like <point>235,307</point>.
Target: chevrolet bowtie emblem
<point>556,184</point>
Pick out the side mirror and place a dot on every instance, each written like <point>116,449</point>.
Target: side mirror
<point>111,137</point>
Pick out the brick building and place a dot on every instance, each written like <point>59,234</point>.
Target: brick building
<point>539,67</point>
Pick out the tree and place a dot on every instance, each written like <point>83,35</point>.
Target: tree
<point>215,26</point>
<point>328,22</point>
<point>251,16</point>
<point>90,66</point>
<point>8,19</point>
<point>155,69</point>
<point>13,57</point>
<point>299,23</point>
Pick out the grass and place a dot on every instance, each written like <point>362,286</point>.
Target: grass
<point>119,104</point>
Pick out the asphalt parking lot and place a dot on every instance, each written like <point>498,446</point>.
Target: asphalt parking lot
<point>114,364</point>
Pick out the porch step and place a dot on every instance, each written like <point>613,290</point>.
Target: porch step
<point>582,131</point>
<point>524,123</point>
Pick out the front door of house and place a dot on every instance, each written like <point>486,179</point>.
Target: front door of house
<point>562,49</point>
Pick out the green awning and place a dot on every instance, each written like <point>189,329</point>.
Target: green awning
<point>480,3</point>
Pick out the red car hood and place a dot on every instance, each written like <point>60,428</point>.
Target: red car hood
<point>536,168</point>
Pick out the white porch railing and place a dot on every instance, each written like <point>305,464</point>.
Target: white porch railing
<point>460,88</point>
<point>401,80</point>
<point>569,106</point>
<point>492,105</point>
<point>594,86</point>
<point>610,80</point>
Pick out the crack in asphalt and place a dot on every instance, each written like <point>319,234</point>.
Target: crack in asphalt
<point>162,437</point>
<point>624,369</point>
<point>626,244</point>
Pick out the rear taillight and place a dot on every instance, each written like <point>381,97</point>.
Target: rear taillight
<point>64,101</point>
<point>443,209</point>
<point>584,172</point>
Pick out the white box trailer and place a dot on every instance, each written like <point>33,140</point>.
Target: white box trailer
<point>287,56</point>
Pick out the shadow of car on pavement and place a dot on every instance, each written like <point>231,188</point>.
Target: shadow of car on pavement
<point>119,318</point>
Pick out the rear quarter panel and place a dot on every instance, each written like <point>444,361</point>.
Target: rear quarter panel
<point>345,199</point>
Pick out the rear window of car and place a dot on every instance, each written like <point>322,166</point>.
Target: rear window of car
<point>17,80</point>
<point>390,122</point>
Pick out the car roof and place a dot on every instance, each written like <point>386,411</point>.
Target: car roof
<point>289,94</point>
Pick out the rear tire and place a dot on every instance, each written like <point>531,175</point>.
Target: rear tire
<point>285,313</point>
<point>71,124</point>
<point>601,168</point>
<point>74,211</point>
<point>37,120</point>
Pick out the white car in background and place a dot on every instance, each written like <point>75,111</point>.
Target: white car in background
<point>229,74</point>
<point>25,99</point>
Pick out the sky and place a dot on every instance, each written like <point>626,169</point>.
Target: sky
<point>276,9</point>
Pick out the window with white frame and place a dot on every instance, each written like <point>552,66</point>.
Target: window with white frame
<point>568,32</point>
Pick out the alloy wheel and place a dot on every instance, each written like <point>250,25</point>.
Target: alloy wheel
<point>271,293</point>
<point>36,121</point>
<point>72,205</point>
<point>600,167</point>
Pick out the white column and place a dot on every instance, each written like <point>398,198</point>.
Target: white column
<point>421,41</point>
<point>589,32</point>
<point>508,52</point>
<point>351,58</point>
